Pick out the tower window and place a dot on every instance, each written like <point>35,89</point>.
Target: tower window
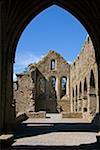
<point>52,64</point>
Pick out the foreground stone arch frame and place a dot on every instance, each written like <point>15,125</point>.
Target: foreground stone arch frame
<point>14,17</point>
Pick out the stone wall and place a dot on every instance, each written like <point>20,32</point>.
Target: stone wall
<point>45,97</point>
<point>22,92</point>
<point>80,94</point>
<point>82,100</point>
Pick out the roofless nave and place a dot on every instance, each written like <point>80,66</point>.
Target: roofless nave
<point>53,85</point>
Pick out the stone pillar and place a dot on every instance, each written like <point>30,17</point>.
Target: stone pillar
<point>73,104</point>
<point>32,90</point>
<point>97,97</point>
<point>97,117</point>
<point>80,103</point>
<point>88,92</point>
<point>78,98</point>
<point>58,84</point>
<point>67,87</point>
<point>6,76</point>
<point>32,98</point>
<point>72,100</point>
<point>9,103</point>
<point>75,101</point>
<point>1,74</point>
<point>97,88</point>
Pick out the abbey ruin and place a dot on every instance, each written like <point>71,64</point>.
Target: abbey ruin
<point>55,86</point>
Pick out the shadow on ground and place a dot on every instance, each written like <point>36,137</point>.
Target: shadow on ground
<point>92,146</point>
<point>34,129</point>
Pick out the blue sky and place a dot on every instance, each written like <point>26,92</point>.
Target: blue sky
<point>53,29</point>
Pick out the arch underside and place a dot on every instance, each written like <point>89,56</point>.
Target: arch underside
<point>25,12</point>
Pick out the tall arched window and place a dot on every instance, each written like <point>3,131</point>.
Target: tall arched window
<point>80,88</point>
<point>63,86</point>
<point>53,86</point>
<point>92,80</point>
<point>52,64</point>
<point>93,101</point>
<point>73,103</point>
<point>53,83</point>
<point>42,85</point>
<point>76,90</point>
<point>73,93</point>
<point>85,85</point>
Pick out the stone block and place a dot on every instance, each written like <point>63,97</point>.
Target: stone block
<point>6,140</point>
<point>21,117</point>
<point>40,114</point>
<point>71,115</point>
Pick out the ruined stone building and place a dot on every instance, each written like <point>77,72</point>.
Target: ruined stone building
<point>53,85</point>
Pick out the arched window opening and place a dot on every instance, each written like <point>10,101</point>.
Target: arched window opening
<point>92,80</point>
<point>42,85</point>
<point>84,109</point>
<point>73,93</point>
<point>80,88</point>
<point>53,86</point>
<point>53,83</point>
<point>63,86</point>
<point>53,64</point>
<point>76,90</point>
<point>85,86</point>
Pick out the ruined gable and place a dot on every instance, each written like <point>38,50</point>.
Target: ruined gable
<point>61,66</point>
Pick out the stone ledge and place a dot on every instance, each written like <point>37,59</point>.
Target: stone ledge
<point>71,115</point>
<point>6,140</point>
<point>40,114</point>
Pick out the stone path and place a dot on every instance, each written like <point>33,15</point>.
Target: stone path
<point>54,131</point>
<point>59,139</point>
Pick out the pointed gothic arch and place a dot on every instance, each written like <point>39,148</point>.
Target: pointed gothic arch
<point>92,80</point>
<point>85,86</point>
<point>63,86</point>
<point>80,88</point>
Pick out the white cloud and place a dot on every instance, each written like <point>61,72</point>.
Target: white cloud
<point>24,59</point>
<point>14,77</point>
<point>70,62</point>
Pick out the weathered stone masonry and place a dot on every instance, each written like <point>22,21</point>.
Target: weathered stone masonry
<point>55,86</point>
<point>84,81</point>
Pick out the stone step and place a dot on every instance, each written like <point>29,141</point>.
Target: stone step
<point>6,140</point>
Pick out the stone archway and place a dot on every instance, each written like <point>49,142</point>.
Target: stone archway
<point>14,17</point>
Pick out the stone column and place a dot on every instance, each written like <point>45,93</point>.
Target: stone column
<point>1,65</point>
<point>72,100</point>
<point>58,88</point>
<point>73,104</point>
<point>6,75</point>
<point>97,88</point>
<point>78,98</point>
<point>88,92</point>
<point>67,87</point>
<point>97,117</point>
<point>32,90</point>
